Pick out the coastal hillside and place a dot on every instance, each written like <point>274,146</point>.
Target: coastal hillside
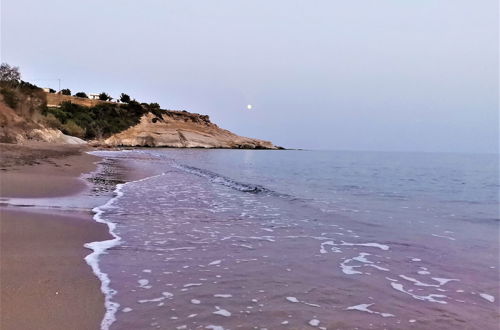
<point>29,113</point>
<point>22,119</point>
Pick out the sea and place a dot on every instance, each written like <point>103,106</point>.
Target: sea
<point>298,239</point>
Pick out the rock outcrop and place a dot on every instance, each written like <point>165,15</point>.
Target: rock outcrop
<point>179,129</point>
<point>53,136</point>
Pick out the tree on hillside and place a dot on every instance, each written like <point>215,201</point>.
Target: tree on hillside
<point>9,74</point>
<point>51,90</point>
<point>66,91</point>
<point>104,97</point>
<point>124,98</point>
<point>154,106</point>
<point>81,94</point>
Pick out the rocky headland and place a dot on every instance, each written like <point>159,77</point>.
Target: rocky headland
<point>28,113</point>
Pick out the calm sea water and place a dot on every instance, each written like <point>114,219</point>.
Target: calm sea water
<point>227,239</point>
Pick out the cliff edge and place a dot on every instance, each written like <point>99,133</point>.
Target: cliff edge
<point>179,129</point>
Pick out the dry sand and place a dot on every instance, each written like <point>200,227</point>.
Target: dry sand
<point>44,280</point>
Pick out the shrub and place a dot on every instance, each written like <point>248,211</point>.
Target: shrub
<point>81,94</point>
<point>66,91</point>
<point>52,90</point>
<point>52,121</point>
<point>27,86</point>
<point>104,97</point>
<point>124,98</point>
<point>155,109</point>
<point>10,97</point>
<point>154,106</point>
<point>101,120</point>
<point>71,128</point>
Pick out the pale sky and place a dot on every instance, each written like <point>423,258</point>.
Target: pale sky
<point>326,74</point>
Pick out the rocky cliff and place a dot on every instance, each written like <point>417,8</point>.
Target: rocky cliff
<point>179,129</point>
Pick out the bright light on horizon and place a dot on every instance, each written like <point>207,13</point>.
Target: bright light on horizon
<point>249,107</point>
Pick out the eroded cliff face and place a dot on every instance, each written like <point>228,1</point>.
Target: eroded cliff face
<point>180,129</point>
<point>22,129</point>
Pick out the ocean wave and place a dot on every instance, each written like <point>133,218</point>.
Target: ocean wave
<point>220,179</point>
<point>101,247</point>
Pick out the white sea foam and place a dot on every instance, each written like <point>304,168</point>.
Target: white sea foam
<point>423,271</point>
<point>442,236</point>
<point>362,258</point>
<point>164,296</point>
<point>333,247</point>
<point>143,283</point>
<point>431,297</point>
<point>314,322</point>
<point>350,270</point>
<point>214,327</point>
<point>259,238</point>
<point>219,295</point>
<point>100,247</point>
<point>215,262</point>
<point>192,284</point>
<point>375,245</point>
<point>364,308</point>
<point>295,300</point>
<point>443,281</point>
<point>488,297</point>
<point>195,301</point>
<point>417,282</point>
<point>222,312</point>
<point>309,304</point>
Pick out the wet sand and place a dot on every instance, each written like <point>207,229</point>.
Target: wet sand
<point>43,170</point>
<point>44,280</point>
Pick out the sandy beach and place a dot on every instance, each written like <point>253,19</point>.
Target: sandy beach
<point>44,280</point>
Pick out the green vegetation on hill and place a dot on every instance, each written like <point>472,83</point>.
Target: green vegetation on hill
<point>99,121</point>
<point>82,95</point>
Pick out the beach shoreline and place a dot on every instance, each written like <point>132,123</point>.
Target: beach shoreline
<point>42,266</point>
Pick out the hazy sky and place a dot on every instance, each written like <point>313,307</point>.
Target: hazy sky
<point>327,74</point>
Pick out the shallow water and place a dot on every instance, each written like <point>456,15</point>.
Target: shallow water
<point>226,239</point>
